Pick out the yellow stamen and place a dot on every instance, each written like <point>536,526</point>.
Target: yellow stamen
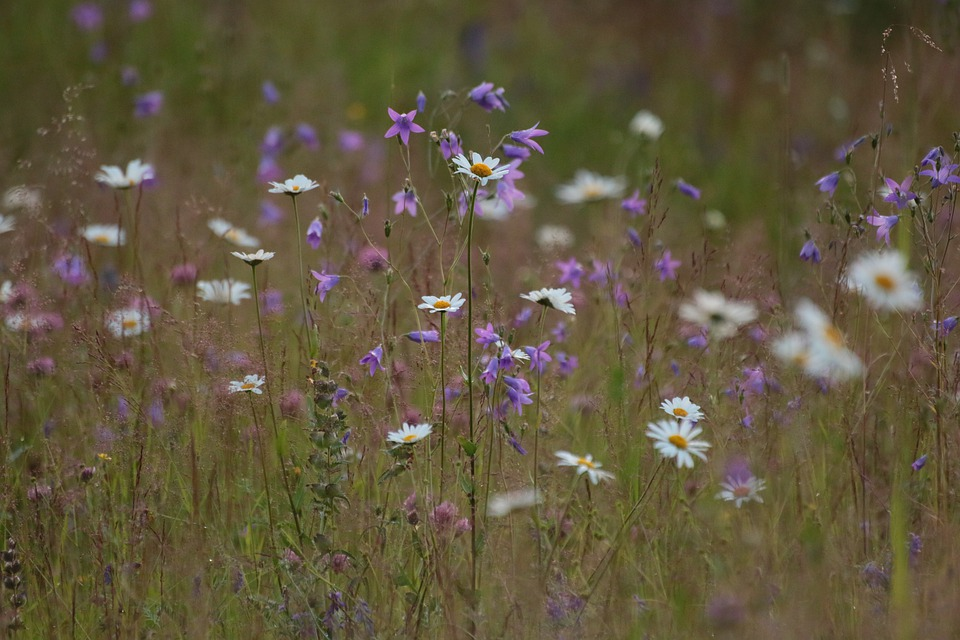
<point>583,462</point>
<point>885,282</point>
<point>295,187</point>
<point>678,441</point>
<point>481,170</point>
<point>410,437</point>
<point>592,191</point>
<point>441,304</point>
<point>102,239</point>
<point>741,491</point>
<point>680,412</point>
<point>129,324</point>
<point>246,386</point>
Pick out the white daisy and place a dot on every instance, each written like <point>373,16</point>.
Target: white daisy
<point>235,235</point>
<point>443,304</point>
<point>721,317</point>
<point>7,224</point>
<point>410,433</point>
<point>223,291</point>
<point>585,465</point>
<point>125,323</point>
<point>678,440</point>
<point>882,278</point>
<point>117,178</point>
<point>554,237</point>
<point>253,259</point>
<point>6,292</point>
<point>828,355</point>
<point>558,299</point>
<point>501,504</point>
<point>479,168</point>
<point>588,186</point>
<point>792,348</point>
<point>646,125</point>
<point>740,490</point>
<point>682,409</point>
<point>294,186</point>
<point>105,235</point>
<point>249,384</point>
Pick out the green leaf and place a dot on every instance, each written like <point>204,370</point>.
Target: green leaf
<point>469,448</point>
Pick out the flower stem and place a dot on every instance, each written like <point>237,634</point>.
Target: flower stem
<point>303,298</point>
<point>443,398</point>
<point>473,458</point>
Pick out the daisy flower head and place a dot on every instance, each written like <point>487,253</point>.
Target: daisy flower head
<point>410,433</point>
<point>585,465</point>
<point>678,440</point>
<point>682,409</point>
<point>740,490</point>
<point>234,235</point>
<point>822,350</point>
<point>721,317</point>
<point>105,235</point>
<point>588,187</point>
<point>646,124</point>
<point>501,504</point>
<point>126,323</point>
<point>249,384</point>
<point>116,178</point>
<point>442,304</point>
<point>558,299</point>
<point>223,291</point>
<point>294,186</point>
<point>882,278</point>
<point>253,259</point>
<point>7,224</point>
<point>479,168</point>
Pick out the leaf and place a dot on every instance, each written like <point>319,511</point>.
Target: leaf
<point>469,448</point>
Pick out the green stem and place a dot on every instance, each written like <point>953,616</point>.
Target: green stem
<point>303,298</point>
<point>443,399</point>
<point>473,458</point>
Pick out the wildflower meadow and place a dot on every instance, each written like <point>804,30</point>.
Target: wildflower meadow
<point>428,320</point>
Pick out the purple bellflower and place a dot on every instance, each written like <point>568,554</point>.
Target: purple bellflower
<point>406,200</point>
<point>810,252</point>
<point>270,93</point>
<point>900,194</point>
<point>570,271</point>
<point>325,283</point>
<point>883,224</point>
<point>667,266</point>
<point>421,337</point>
<point>488,98</point>
<point>538,356</point>
<point>148,104</point>
<point>829,182</point>
<point>403,125</point>
<point>374,358</point>
<point>315,233</point>
<point>634,205</point>
<point>525,136</point>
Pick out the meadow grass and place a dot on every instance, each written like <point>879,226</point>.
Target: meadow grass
<point>432,412</point>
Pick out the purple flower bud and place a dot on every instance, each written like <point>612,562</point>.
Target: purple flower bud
<point>829,182</point>
<point>688,189</point>
<point>421,102</point>
<point>365,206</point>
<point>422,337</point>
<point>88,16</point>
<point>917,464</point>
<point>272,143</point>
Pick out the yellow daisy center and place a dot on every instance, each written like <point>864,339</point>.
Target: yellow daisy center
<point>129,324</point>
<point>583,462</point>
<point>885,282</point>
<point>410,437</point>
<point>247,386</point>
<point>481,170</point>
<point>741,491</point>
<point>592,191</point>
<point>231,234</point>
<point>680,412</point>
<point>833,335</point>
<point>441,304</point>
<point>678,441</point>
<point>101,238</point>
<point>132,182</point>
<point>295,187</point>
